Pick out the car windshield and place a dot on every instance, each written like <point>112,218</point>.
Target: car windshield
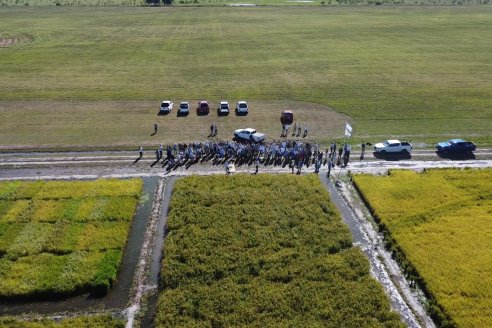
<point>386,143</point>
<point>184,106</point>
<point>203,105</point>
<point>243,105</point>
<point>165,104</point>
<point>224,106</point>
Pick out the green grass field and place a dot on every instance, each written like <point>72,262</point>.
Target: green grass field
<point>264,251</point>
<point>420,73</point>
<point>441,223</point>
<point>62,238</point>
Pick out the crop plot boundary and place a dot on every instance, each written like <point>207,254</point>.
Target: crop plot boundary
<point>118,296</point>
<point>404,300</point>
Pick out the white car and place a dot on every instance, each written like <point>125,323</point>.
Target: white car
<point>242,107</point>
<point>223,108</point>
<point>166,107</point>
<point>184,108</point>
<point>249,134</point>
<point>393,146</point>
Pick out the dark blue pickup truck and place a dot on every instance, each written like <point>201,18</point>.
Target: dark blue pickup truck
<point>456,146</point>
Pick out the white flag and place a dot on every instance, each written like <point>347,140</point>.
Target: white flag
<point>348,130</point>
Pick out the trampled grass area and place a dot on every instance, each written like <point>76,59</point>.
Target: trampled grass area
<point>416,73</point>
<point>441,223</point>
<point>100,321</point>
<point>263,251</point>
<point>61,238</point>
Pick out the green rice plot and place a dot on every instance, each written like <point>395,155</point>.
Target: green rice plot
<point>97,321</point>
<point>263,251</point>
<point>57,242</point>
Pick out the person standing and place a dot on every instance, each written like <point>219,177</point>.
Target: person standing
<point>140,151</point>
<point>294,130</point>
<point>257,164</point>
<point>363,151</point>
<point>155,128</point>
<point>212,130</point>
<point>305,131</point>
<point>330,165</point>
<point>161,150</point>
<point>299,130</point>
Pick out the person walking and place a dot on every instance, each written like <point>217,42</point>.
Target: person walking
<point>212,130</point>
<point>363,151</point>
<point>161,150</point>
<point>299,130</point>
<point>140,151</point>
<point>305,131</point>
<point>155,127</point>
<point>257,164</point>
<point>215,130</point>
<point>294,130</point>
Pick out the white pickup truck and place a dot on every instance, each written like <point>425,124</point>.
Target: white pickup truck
<point>249,134</point>
<point>393,146</point>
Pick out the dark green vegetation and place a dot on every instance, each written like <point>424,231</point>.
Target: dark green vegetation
<point>60,238</point>
<point>417,73</point>
<point>264,251</point>
<point>101,321</point>
<point>439,224</point>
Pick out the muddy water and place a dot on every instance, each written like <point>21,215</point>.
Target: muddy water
<point>156,256</point>
<point>119,294</point>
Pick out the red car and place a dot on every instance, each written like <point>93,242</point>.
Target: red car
<point>287,117</point>
<point>203,108</point>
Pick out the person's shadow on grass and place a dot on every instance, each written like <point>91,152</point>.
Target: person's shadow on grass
<point>136,160</point>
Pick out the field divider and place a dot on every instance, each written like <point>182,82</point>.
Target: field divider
<point>386,271</point>
<point>143,282</point>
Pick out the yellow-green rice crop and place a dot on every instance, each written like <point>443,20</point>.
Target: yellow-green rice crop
<point>263,251</point>
<point>440,223</point>
<point>62,238</point>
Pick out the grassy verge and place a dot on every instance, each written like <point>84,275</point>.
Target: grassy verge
<point>416,73</point>
<point>263,251</point>
<point>438,223</point>
<point>61,238</point>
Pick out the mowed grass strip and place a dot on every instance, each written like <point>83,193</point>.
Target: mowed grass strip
<point>441,222</point>
<point>97,321</point>
<point>408,72</point>
<point>263,251</point>
<point>63,237</point>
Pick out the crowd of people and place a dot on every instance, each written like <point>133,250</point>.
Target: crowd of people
<point>292,153</point>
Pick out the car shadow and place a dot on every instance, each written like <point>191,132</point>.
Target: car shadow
<point>179,114</point>
<point>392,156</point>
<point>241,114</point>
<point>456,156</point>
<point>159,113</point>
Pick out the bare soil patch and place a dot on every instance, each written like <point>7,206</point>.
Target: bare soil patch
<point>7,42</point>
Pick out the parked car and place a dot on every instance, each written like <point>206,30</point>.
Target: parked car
<point>242,107</point>
<point>393,146</point>
<point>456,146</point>
<point>203,108</point>
<point>223,108</point>
<point>166,107</point>
<point>287,117</point>
<point>184,108</point>
<point>249,134</point>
